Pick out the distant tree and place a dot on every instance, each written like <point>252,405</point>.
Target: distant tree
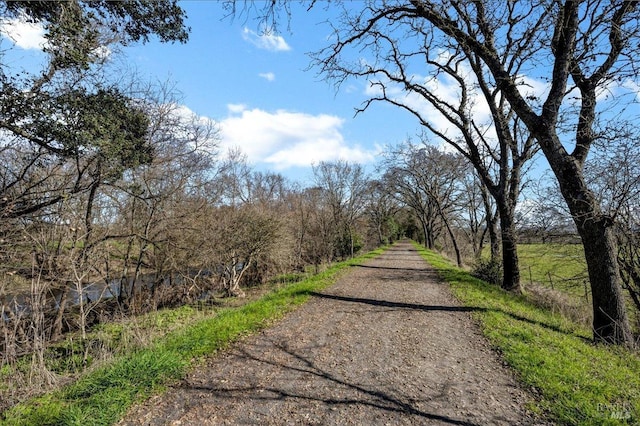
<point>402,173</point>
<point>344,186</point>
<point>380,208</point>
<point>428,181</point>
<point>479,215</point>
<point>313,227</point>
<point>546,214</point>
<point>240,184</point>
<point>233,239</point>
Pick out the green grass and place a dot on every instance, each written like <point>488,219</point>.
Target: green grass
<point>102,396</point>
<point>578,383</point>
<point>563,264</point>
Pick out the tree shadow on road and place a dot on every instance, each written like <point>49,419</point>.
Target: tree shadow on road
<point>301,365</point>
<point>399,273</point>
<point>400,305</point>
<point>428,308</point>
<point>395,268</point>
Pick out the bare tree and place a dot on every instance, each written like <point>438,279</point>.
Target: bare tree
<point>344,185</point>
<point>546,216</point>
<point>427,180</point>
<point>313,227</point>
<point>154,204</point>
<point>381,208</point>
<point>230,240</point>
<point>402,173</point>
<point>481,218</point>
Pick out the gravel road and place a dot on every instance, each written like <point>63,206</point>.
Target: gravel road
<point>386,345</point>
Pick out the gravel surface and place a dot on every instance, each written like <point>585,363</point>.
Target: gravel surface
<point>386,345</point>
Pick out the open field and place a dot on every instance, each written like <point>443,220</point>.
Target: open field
<point>555,275</point>
<point>559,266</point>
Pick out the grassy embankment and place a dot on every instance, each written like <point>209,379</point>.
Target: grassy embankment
<point>577,382</point>
<point>103,395</point>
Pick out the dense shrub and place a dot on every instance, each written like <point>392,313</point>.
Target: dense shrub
<point>488,270</point>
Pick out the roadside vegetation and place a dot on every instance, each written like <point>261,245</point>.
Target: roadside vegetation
<point>554,276</point>
<point>559,266</point>
<point>185,336</point>
<point>575,380</point>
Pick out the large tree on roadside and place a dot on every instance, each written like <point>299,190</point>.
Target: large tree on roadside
<point>575,48</point>
<point>614,174</point>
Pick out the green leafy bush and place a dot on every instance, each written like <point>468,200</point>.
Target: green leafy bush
<point>488,270</point>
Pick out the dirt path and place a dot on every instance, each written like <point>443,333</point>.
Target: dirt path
<point>386,345</point>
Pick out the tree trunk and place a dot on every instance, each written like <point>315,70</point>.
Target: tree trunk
<point>351,242</point>
<point>427,234</point>
<point>56,329</point>
<point>494,240</point>
<point>492,225</point>
<point>610,323</point>
<point>456,249</point>
<point>510,268</point>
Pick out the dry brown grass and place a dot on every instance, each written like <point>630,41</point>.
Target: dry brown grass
<point>574,308</point>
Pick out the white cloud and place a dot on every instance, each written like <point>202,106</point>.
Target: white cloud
<point>102,53</point>
<point>533,88</point>
<point>306,153</point>
<point>267,41</point>
<point>269,76</point>
<point>284,139</point>
<point>236,108</point>
<point>632,87</point>
<point>26,35</point>
<point>446,91</point>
